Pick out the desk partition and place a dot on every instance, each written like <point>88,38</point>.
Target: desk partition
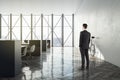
<point>10,58</point>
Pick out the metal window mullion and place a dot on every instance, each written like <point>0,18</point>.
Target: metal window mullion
<point>21,27</point>
<point>31,27</point>
<point>35,36</point>
<point>41,26</point>
<point>62,30</point>
<point>72,30</point>
<point>41,32</point>
<point>0,26</point>
<point>52,28</point>
<point>48,28</point>
<point>10,26</point>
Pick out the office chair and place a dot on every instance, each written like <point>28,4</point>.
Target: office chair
<point>31,50</point>
<point>24,56</point>
<point>24,52</point>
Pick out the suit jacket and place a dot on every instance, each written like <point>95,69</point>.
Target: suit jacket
<point>84,39</point>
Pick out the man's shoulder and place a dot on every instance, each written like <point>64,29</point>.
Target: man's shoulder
<point>89,32</point>
<point>82,32</point>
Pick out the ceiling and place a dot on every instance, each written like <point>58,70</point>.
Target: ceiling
<point>40,6</point>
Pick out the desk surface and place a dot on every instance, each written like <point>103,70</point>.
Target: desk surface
<point>25,44</point>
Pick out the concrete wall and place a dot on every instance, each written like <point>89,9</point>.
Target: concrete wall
<point>103,18</point>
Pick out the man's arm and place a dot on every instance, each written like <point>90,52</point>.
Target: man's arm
<point>80,40</point>
<point>89,38</point>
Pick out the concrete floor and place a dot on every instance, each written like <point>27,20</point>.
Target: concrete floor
<point>64,64</point>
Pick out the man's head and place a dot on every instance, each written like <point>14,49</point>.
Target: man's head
<point>85,26</point>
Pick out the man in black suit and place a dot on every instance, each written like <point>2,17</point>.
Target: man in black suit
<point>84,46</point>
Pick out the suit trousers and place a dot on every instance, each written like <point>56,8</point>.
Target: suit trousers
<point>84,55</point>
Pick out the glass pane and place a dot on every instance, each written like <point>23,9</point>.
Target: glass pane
<point>26,30</point>
<point>57,38</point>
<point>5,33</point>
<point>36,27</point>
<point>5,27</point>
<point>15,27</point>
<point>67,21</point>
<point>57,21</point>
<point>67,36</point>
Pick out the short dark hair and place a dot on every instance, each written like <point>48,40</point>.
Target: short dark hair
<point>85,25</point>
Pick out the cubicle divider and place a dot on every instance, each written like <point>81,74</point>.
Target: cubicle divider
<point>10,58</point>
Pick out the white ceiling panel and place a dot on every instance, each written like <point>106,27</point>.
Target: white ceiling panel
<point>39,6</point>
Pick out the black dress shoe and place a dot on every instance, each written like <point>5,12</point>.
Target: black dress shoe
<point>82,68</point>
<point>87,67</point>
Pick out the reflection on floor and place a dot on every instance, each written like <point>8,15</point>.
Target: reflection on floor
<point>64,64</point>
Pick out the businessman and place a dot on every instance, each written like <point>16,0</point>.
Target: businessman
<point>84,46</point>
